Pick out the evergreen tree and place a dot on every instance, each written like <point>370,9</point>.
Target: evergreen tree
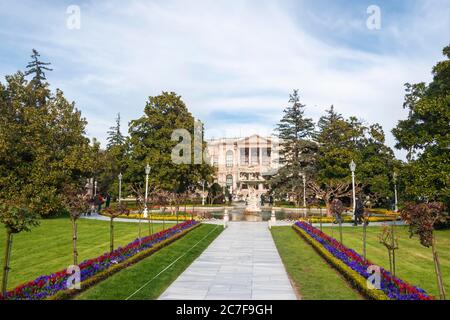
<point>115,137</point>
<point>41,149</point>
<point>335,153</point>
<point>343,140</point>
<point>297,152</point>
<point>151,142</point>
<point>38,84</point>
<point>36,68</point>
<point>425,134</point>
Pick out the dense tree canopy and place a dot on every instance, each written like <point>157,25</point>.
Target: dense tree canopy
<point>425,134</point>
<point>42,143</point>
<point>324,155</point>
<point>150,141</point>
<point>298,151</point>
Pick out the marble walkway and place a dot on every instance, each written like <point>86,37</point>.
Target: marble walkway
<point>242,263</point>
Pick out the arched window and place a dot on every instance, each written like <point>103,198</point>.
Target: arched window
<point>229,180</point>
<point>229,158</point>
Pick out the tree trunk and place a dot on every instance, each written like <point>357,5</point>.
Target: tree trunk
<point>177,208</point>
<point>139,230</point>
<point>390,262</point>
<point>364,239</point>
<point>111,235</point>
<point>8,249</point>
<point>437,268</point>
<point>327,204</point>
<point>151,223</point>
<point>74,239</point>
<point>164,221</point>
<point>393,245</point>
<point>320,218</point>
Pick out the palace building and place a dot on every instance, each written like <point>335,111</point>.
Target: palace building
<point>244,164</point>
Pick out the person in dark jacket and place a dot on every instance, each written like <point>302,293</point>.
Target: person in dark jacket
<point>359,212</point>
<point>99,202</point>
<point>108,200</point>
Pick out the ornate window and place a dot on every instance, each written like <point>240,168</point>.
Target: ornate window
<point>229,180</point>
<point>229,158</point>
<point>255,156</point>
<point>244,156</point>
<point>266,153</point>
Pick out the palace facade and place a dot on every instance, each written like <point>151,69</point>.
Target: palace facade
<point>243,164</point>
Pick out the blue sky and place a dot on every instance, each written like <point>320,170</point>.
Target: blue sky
<point>233,62</point>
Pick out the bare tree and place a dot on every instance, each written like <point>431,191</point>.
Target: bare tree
<point>121,210</point>
<point>77,203</point>
<point>422,219</point>
<point>136,189</point>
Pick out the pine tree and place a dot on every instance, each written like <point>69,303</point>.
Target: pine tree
<point>115,137</point>
<point>297,152</point>
<point>36,68</point>
<point>38,84</point>
<point>330,127</point>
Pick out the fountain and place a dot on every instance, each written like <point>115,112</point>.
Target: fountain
<point>253,202</point>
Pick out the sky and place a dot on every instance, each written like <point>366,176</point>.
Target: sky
<point>233,62</point>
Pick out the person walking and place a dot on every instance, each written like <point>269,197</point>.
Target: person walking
<point>108,200</point>
<point>359,212</point>
<point>336,209</point>
<point>100,200</point>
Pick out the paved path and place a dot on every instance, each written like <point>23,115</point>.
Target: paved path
<point>279,223</point>
<point>241,264</point>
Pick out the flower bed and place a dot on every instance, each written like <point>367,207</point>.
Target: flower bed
<point>157,217</point>
<point>54,286</point>
<point>354,267</point>
<point>349,219</point>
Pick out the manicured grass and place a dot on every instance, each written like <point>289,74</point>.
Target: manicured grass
<point>154,274</point>
<point>48,248</point>
<point>313,277</point>
<point>414,262</point>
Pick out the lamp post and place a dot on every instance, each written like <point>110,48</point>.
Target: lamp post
<point>395,191</point>
<point>95,188</point>
<point>120,187</point>
<point>147,172</point>
<point>352,169</point>
<point>304,190</point>
<point>203,193</point>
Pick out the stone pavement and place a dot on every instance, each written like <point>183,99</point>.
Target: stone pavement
<point>241,264</point>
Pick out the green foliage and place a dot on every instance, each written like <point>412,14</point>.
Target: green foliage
<point>150,142</point>
<point>215,194</point>
<point>43,147</point>
<point>343,140</point>
<point>425,134</point>
<point>298,152</point>
<point>17,217</point>
<point>422,219</point>
<point>115,137</point>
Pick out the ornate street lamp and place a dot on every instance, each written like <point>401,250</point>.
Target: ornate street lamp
<point>120,187</point>
<point>203,193</point>
<point>147,172</point>
<point>395,191</point>
<point>304,190</point>
<point>352,169</point>
<point>95,188</point>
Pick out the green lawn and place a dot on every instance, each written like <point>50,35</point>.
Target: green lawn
<point>155,273</point>
<point>414,262</point>
<point>313,277</point>
<point>48,248</point>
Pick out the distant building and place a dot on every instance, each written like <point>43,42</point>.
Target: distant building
<point>243,164</point>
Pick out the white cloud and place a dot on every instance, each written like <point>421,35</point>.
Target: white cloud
<point>241,57</point>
